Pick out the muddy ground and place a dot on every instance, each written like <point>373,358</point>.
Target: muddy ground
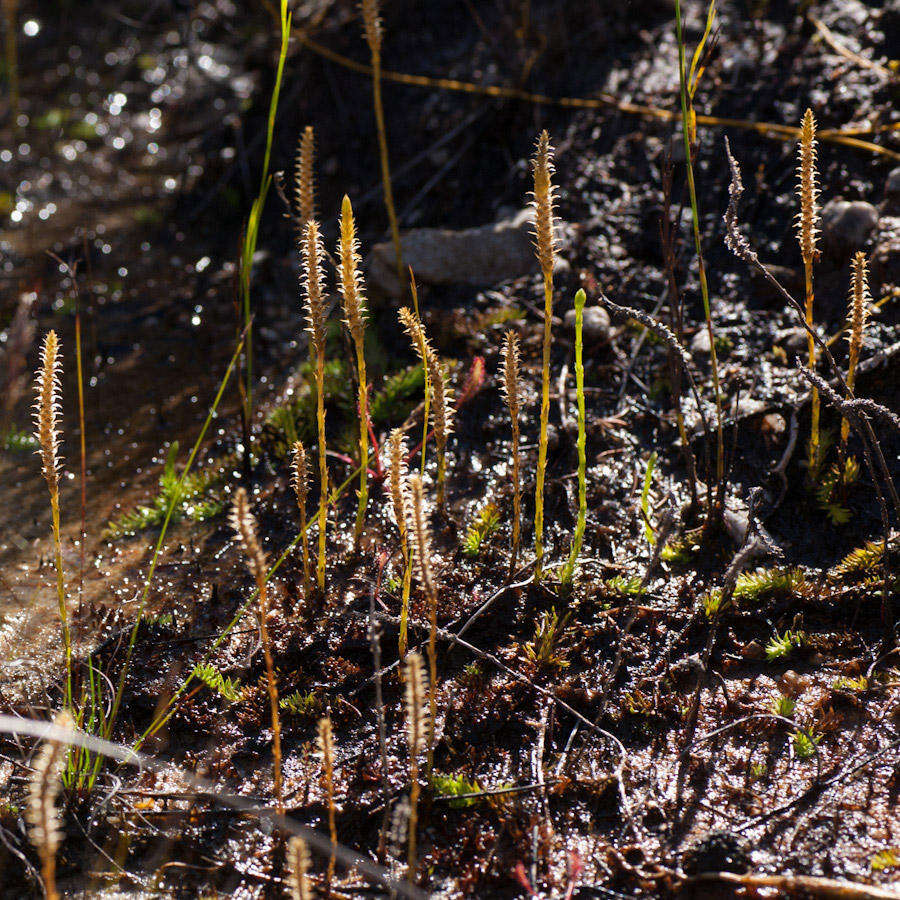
<point>134,160</point>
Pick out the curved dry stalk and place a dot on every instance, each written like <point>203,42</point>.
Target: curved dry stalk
<point>43,818</point>
<point>542,164</point>
<point>244,525</point>
<point>354,297</point>
<point>313,279</point>
<point>397,475</point>
<point>510,388</point>
<point>300,482</point>
<point>420,534</point>
<point>46,417</point>
<point>807,232</point>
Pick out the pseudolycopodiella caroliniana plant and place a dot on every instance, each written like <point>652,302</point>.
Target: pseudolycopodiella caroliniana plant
<point>298,869</point>
<point>860,300</point>
<point>354,298</point>
<point>315,314</point>
<point>46,417</point>
<point>304,180</point>
<point>300,483</point>
<point>326,748</point>
<point>420,538</point>
<point>807,232</point>
<point>510,387</point>
<point>397,476</point>
<point>545,241</point>
<point>42,815</point>
<point>442,416</point>
<point>416,729</point>
<point>374,33</point>
<point>244,525</point>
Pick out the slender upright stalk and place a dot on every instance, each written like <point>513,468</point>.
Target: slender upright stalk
<point>546,249</point>
<point>354,296</point>
<point>300,480</point>
<point>686,120</point>
<point>304,181</point>
<point>416,726</point>
<point>46,417</point>
<point>417,523</point>
<point>860,300</point>
<point>442,415</point>
<point>398,474</point>
<point>244,525</point>
<point>511,392</point>
<point>298,867</point>
<point>807,231</point>
<point>251,228</point>
<point>82,440</point>
<point>315,312</point>
<point>326,747</point>
<point>569,570</point>
<point>374,35</point>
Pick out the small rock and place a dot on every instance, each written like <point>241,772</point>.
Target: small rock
<point>753,650</point>
<point>486,255</point>
<point>892,190</point>
<point>847,226</point>
<point>700,342</point>
<point>594,326</point>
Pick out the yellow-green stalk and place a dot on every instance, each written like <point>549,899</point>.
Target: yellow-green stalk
<point>398,474</point>
<point>416,728</point>
<point>860,300</point>
<point>244,525</point>
<point>374,34</point>
<point>569,570</point>
<point>326,747</point>
<point>300,481</point>
<point>412,325</point>
<point>354,296</point>
<point>420,536</point>
<point>315,314</point>
<point>511,392</point>
<point>807,231</point>
<point>546,249</point>
<point>46,417</point>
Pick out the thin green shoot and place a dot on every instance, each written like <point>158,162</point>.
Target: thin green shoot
<point>645,500</point>
<point>568,571</point>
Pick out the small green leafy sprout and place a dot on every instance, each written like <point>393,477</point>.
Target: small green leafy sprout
<point>829,490</point>
<point>712,603</point>
<point>784,706</point>
<point>300,703</point>
<point>861,561</point>
<point>885,859</point>
<point>485,522</point>
<point>805,744</point>
<point>547,650</point>
<point>763,584</point>
<point>759,770</point>
<point>679,553</point>
<point>851,684</point>
<point>782,645</point>
<point>453,786</point>
<point>230,689</point>
<point>619,584</point>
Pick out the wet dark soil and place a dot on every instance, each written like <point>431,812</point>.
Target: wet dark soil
<point>135,159</point>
